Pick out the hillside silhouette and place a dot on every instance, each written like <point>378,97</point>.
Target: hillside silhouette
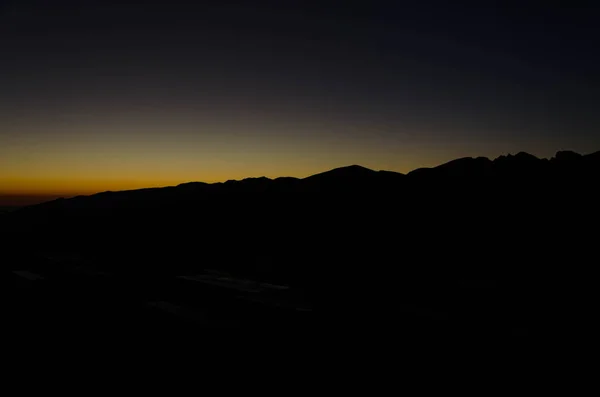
<point>474,247</point>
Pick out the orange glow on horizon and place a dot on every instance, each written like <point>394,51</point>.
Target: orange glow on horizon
<point>71,167</point>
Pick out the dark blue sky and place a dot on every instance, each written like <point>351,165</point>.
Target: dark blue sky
<point>99,95</point>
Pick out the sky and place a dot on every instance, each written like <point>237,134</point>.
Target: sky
<point>104,95</point>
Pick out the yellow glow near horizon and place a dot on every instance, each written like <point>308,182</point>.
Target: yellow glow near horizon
<point>74,165</point>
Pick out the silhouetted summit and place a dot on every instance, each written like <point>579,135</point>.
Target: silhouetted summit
<point>464,168</point>
<point>567,156</point>
<point>349,172</point>
<point>354,177</point>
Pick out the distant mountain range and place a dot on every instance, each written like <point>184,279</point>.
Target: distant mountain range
<point>263,212</point>
<point>525,224</point>
<point>456,180</point>
<point>511,168</point>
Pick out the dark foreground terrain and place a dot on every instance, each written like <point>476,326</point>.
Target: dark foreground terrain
<point>475,248</point>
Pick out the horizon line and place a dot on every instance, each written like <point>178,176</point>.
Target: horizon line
<point>25,199</point>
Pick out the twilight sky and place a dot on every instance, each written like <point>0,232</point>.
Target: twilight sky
<point>97,95</point>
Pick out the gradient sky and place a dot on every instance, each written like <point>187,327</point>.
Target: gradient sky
<point>97,95</point>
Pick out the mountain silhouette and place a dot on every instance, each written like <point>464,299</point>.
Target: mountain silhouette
<point>352,172</point>
<point>382,243</point>
<point>463,170</point>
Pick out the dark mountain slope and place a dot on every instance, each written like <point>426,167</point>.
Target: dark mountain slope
<point>382,238</point>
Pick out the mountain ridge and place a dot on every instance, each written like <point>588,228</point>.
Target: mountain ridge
<point>383,237</point>
<point>355,171</point>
